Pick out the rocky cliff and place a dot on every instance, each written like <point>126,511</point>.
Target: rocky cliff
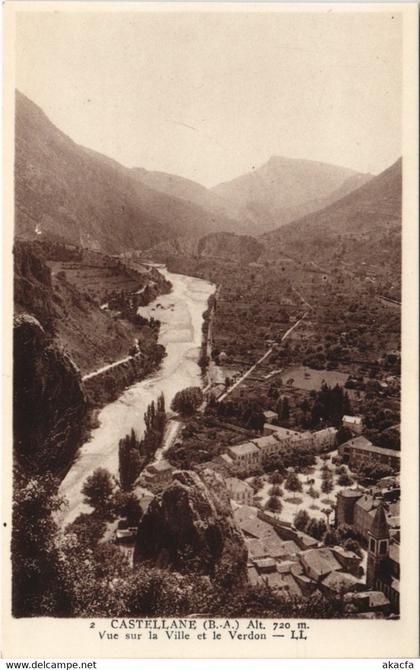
<point>48,401</point>
<point>189,528</point>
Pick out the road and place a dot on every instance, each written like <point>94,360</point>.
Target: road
<point>261,360</point>
<point>107,367</point>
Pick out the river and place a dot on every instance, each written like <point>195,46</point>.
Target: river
<point>180,313</point>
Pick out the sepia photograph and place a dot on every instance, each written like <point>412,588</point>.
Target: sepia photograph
<point>207,225</point>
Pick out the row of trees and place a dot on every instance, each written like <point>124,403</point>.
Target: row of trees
<point>133,453</point>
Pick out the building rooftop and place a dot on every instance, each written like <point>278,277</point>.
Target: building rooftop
<point>257,528</point>
<point>256,548</point>
<point>345,553</point>
<point>368,502</point>
<point>275,581</point>
<point>253,576</point>
<point>278,548</point>
<point>362,444</point>
<point>245,513</point>
<point>247,448</point>
<point>379,527</point>
<point>270,428</point>
<point>358,442</point>
<point>321,561</point>
<point>283,433</point>
<point>291,585</point>
<point>357,420</point>
<point>235,484</point>
<point>330,430</point>
<point>302,437</point>
<point>375,598</point>
<point>160,466</point>
<point>266,441</point>
<point>266,563</point>
<point>338,581</point>
<point>350,493</point>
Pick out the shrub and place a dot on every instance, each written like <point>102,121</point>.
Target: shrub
<point>294,501</point>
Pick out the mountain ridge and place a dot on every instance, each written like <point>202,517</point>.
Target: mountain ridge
<point>80,195</point>
<point>284,189</point>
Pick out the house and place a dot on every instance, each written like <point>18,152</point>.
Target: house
<point>324,439</point>
<point>272,547</point>
<point>269,429</point>
<point>239,491</point>
<point>305,439</point>
<point>224,460</point>
<point>245,457</point>
<point>284,435</point>
<point>257,529</point>
<point>318,563</point>
<point>158,473</point>
<point>360,450</point>
<point>350,562</point>
<point>126,535</point>
<point>354,423</point>
<point>286,531</point>
<point>358,509</point>
<point>267,445</point>
<point>321,569</point>
<point>369,601</point>
<point>270,417</point>
<point>256,548</point>
<point>265,565</point>
<point>245,513</point>
<point>338,583</point>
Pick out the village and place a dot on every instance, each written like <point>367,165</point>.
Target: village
<point>306,442</point>
<point>320,526</point>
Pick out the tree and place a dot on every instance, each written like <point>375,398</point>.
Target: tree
<point>275,490</point>
<point>343,435</point>
<point>37,587</point>
<point>155,421</point>
<point>203,361</point>
<point>88,528</point>
<point>327,511</point>
<point>293,482</point>
<point>129,460</point>
<point>257,483</point>
<point>301,519</point>
<point>327,485</point>
<point>330,538</point>
<point>98,490</point>
<point>274,504</point>
<point>285,411</point>
<point>187,401</point>
<point>276,477</point>
<point>316,528</point>
<point>375,471</point>
<point>127,505</point>
<point>344,479</point>
<point>257,421</point>
<point>313,492</point>
<point>273,462</point>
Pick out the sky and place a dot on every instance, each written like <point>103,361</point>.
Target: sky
<point>213,95</point>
